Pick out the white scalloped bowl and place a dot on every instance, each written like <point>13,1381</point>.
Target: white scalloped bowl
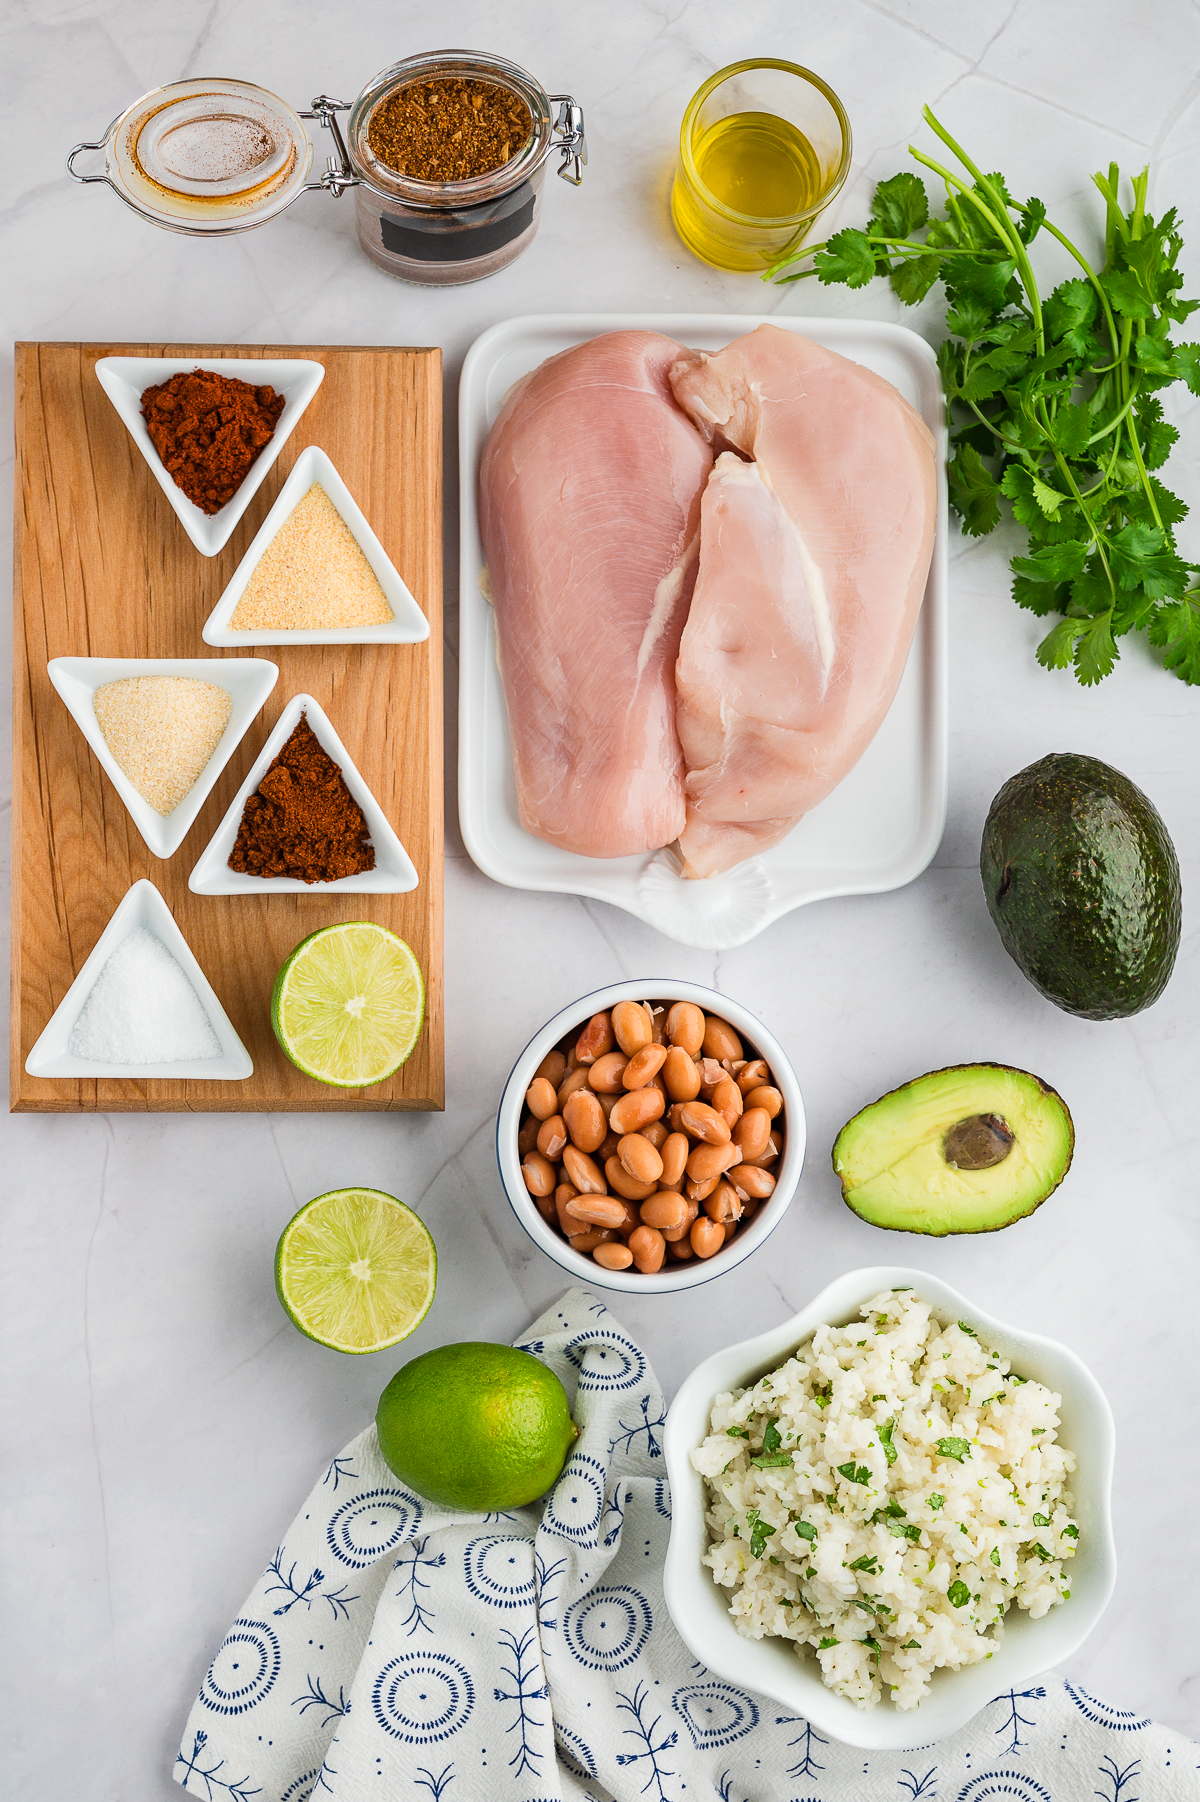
<point>699,1607</point>
<point>679,1276</point>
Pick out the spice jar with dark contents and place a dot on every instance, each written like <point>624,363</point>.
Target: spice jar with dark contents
<point>450,149</point>
<point>648,1137</point>
<point>208,429</point>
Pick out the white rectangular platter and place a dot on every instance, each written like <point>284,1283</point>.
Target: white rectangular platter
<point>877,830</point>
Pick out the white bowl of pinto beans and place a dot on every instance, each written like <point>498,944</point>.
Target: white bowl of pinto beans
<point>651,1136</point>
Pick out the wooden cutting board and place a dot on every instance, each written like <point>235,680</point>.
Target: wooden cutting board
<point>104,568</point>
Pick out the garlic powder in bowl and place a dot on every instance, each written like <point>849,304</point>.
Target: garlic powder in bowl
<point>884,1496</point>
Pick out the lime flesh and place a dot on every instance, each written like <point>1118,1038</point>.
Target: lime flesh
<point>348,1004</point>
<point>476,1426</point>
<point>356,1270</point>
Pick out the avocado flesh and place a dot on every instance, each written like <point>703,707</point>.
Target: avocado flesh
<point>1082,882</point>
<point>892,1164</point>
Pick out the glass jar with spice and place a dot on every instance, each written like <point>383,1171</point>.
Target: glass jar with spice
<point>446,153</point>
<point>450,149</point>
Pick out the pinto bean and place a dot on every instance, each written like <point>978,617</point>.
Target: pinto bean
<point>541,1098</point>
<point>753,1182</point>
<point>711,1160</point>
<point>685,1027</point>
<point>664,1211</point>
<point>584,1120</point>
<point>724,1205</point>
<point>635,1109</point>
<point>564,1193</point>
<point>539,1173</point>
<point>633,1026</point>
<point>639,1158</point>
<point>613,1257</point>
<point>620,1180</point>
<point>681,1249</point>
<point>681,1075</point>
<point>702,1122</point>
<point>706,1236</point>
<point>527,1137</point>
<point>700,1191</point>
<point>727,1101</point>
<point>552,1068</point>
<point>674,1155</point>
<point>571,1084</point>
<point>598,1210</point>
<point>583,1172</point>
<point>595,1235</point>
<point>606,1073</point>
<point>648,1248</point>
<point>765,1097</point>
<point>644,1065</point>
<point>547,1208</point>
<point>552,1136</point>
<point>720,1040</point>
<point>711,1073</point>
<point>752,1074</point>
<point>752,1134</point>
<point>659,1033</point>
<point>685,1226</point>
<point>656,1132</point>
<point>595,1039</point>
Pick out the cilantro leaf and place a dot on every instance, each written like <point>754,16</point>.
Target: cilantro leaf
<point>954,1448</point>
<point>1095,651</point>
<point>867,1563</point>
<point>885,1439</point>
<point>1070,1532</point>
<point>825,1644</point>
<point>1041,1520</point>
<point>911,1645</point>
<point>848,258</point>
<point>974,492</point>
<point>737,1433</point>
<point>1175,629</point>
<point>855,1473</point>
<point>900,1529</point>
<point>1057,649</point>
<point>913,277</point>
<point>1039,597</point>
<point>1053,562</point>
<point>772,1438</point>
<point>771,1460</point>
<point>995,1555</point>
<point>901,205</point>
<point>804,1529</point>
<point>1127,294</point>
<point>1143,559</point>
<point>760,1532</point>
<point>958,1595</point>
<point>937,1501</point>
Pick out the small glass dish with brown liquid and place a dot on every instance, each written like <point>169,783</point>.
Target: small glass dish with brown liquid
<point>763,148</point>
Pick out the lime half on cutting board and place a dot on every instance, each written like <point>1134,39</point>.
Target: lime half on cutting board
<point>356,1270</point>
<point>348,1004</point>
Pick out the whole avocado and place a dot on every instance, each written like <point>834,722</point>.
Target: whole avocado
<point>1082,882</point>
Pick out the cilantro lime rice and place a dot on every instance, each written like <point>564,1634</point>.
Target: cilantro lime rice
<point>884,1496</point>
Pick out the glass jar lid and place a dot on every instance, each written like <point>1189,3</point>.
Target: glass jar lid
<point>208,155</point>
<point>450,65</point>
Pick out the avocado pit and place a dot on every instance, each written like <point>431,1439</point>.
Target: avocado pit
<point>979,1142</point>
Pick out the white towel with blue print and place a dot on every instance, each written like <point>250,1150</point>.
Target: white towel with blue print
<point>393,1650</point>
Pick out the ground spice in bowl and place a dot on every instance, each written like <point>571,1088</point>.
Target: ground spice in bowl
<point>208,429</point>
<point>303,821</point>
<point>449,130</point>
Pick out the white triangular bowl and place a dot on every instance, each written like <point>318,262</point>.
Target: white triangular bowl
<point>409,625</point>
<point>247,680</point>
<point>142,905</point>
<point>125,380</point>
<point>394,873</point>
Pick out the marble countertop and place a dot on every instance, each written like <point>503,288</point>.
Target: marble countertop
<point>161,1419</point>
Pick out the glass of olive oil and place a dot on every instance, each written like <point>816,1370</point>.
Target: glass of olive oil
<point>763,148</point>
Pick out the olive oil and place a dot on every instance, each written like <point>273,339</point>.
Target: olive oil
<point>756,164</point>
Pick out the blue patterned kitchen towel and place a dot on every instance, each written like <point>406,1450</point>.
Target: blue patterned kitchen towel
<point>394,1650</point>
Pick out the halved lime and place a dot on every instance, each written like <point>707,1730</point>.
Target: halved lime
<point>348,1004</point>
<point>356,1270</point>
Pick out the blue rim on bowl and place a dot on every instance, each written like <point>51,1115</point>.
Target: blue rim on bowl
<point>684,1275</point>
<point>699,1607</point>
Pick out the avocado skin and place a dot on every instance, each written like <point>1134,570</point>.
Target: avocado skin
<point>1082,882</point>
<point>980,1089</point>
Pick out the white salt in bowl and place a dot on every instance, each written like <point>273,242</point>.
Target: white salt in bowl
<point>125,380</point>
<point>394,872</point>
<point>142,906</point>
<point>408,626</point>
<point>247,681</point>
<point>674,1276</point>
<point>699,1607</point>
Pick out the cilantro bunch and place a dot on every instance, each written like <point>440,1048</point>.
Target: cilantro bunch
<point>1053,402</point>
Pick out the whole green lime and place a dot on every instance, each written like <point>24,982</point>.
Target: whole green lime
<point>476,1426</point>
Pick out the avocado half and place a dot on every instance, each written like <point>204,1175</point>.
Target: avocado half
<point>1082,882</point>
<point>964,1150</point>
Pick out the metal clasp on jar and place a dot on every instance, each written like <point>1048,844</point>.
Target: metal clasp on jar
<point>338,174</point>
<point>567,135</point>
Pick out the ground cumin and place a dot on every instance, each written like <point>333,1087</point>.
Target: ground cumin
<point>448,130</point>
<point>208,429</point>
<point>302,821</point>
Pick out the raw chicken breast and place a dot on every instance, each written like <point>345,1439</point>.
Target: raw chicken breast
<point>813,562</point>
<point>589,496</point>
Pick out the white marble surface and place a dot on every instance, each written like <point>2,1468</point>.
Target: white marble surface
<point>161,1418</point>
